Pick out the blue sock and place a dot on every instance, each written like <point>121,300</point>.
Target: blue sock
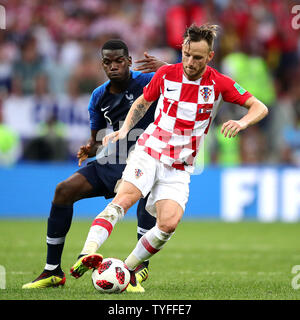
<point>145,220</point>
<point>59,223</point>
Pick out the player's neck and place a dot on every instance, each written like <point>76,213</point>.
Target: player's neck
<point>118,86</point>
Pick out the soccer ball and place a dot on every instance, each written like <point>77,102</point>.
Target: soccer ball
<point>111,277</point>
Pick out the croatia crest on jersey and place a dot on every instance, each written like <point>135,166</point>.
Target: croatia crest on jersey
<point>206,93</point>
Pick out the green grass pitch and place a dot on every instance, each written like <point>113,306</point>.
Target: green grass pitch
<point>203,260</point>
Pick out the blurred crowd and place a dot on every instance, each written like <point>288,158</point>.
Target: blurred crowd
<point>50,52</point>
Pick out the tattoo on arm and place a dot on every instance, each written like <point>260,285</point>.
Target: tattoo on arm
<point>138,114</point>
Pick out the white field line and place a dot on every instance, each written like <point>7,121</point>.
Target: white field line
<point>240,273</point>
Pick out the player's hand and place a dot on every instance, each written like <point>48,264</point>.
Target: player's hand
<point>83,153</point>
<point>149,64</point>
<point>232,128</point>
<point>114,136</point>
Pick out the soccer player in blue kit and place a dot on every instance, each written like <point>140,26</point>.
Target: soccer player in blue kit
<point>109,105</point>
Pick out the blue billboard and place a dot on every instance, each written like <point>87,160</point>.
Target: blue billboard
<point>265,194</point>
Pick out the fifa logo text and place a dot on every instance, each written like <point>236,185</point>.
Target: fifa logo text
<point>296,18</point>
<point>2,18</point>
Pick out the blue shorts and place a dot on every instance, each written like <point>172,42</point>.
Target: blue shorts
<point>103,177</point>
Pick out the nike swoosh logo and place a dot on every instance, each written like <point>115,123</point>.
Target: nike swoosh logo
<point>129,96</point>
<point>103,109</point>
<point>171,89</point>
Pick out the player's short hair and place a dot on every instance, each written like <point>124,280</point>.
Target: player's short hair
<point>115,44</point>
<point>207,32</point>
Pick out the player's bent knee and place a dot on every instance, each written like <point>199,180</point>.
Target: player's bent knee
<point>168,226</point>
<point>168,221</point>
<point>63,193</point>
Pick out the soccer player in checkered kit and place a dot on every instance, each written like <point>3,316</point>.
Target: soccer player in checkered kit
<point>190,94</point>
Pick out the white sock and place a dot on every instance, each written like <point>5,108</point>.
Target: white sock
<point>102,227</point>
<point>149,244</point>
<point>51,267</point>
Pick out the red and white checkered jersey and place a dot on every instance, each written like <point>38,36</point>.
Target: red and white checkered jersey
<point>184,112</point>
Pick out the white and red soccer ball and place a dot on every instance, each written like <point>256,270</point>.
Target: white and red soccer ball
<point>111,277</point>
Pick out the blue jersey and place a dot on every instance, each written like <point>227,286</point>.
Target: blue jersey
<point>106,108</point>
<point>110,110</point>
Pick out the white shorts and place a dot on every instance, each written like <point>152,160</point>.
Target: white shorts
<point>151,175</point>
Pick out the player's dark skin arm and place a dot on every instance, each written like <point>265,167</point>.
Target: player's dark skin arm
<point>149,64</point>
<point>90,149</point>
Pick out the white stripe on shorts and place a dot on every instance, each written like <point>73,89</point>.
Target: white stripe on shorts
<point>55,240</point>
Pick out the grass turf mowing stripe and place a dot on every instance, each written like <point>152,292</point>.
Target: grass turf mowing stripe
<point>203,260</point>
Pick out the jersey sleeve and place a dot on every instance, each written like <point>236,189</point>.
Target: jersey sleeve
<point>232,92</point>
<point>146,78</point>
<point>97,120</point>
<point>153,90</point>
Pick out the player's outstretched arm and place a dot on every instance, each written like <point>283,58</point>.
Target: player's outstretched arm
<point>256,112</point>
<point>149,64</point>
<point>135,114</point>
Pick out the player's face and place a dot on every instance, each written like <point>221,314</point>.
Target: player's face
<point>195,57</point>
<point>116,64</point>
